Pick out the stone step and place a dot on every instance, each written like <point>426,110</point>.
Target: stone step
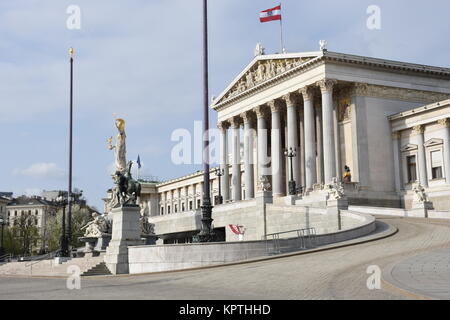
<point>99,270</point>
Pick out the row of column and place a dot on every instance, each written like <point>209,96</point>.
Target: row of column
<point>273,166</point>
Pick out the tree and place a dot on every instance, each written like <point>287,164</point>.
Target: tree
<point>81,214</point>
<point>22,236</point>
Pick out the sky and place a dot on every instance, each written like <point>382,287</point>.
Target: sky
<point>141,60</point>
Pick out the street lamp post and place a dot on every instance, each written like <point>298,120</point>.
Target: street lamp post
<point>2,223</point>
<point>219,173</point>
<point>206,234</point>
<point>69,192</point>
<point>64,243</point>
<point>291,153</point>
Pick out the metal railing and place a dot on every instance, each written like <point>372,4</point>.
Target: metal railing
<point>39,259</point>
<point>306,238</point>
<point>6,258</point>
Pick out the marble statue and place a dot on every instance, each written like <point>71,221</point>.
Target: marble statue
<point>323,45</point>
<point>147,228</point>
<point>335,190</point>
<point>259,50</point>
<point>264,183</point>
<point>419,192</point>
<point>97,227</point>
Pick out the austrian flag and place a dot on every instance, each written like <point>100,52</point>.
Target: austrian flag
<point>270,14</point>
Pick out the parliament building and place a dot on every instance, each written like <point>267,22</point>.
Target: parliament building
<point>384,125</point>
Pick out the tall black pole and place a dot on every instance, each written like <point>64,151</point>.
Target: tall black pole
<point>206,234</point>
<point>69,193</point>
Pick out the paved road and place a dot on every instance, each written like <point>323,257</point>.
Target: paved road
<point>335,274</point>
<point>427,274</point>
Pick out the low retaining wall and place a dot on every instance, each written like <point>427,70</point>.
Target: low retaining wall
<point>432,214</point>
<point>147,259</point>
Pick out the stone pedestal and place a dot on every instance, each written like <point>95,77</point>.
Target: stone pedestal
<point>149,240</point>
<point>420,209</point>
<point>126,232</point>
<point>334,208</point>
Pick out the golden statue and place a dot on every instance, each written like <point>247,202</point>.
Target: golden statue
<point>120,147</point>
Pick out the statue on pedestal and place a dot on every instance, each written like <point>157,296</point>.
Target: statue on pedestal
<point>335,190</point>
<point>419,191</point>
<point>127,190</point>
<point>97,227</point>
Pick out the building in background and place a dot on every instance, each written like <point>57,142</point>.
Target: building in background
<point>33,211</point>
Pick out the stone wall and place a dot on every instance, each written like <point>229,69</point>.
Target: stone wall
<point>146,259</point>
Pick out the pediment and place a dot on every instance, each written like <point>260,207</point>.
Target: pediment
<point>409,147</point>
<point>263,69</point>
<point>433,142</point>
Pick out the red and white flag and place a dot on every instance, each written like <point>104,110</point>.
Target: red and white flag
<point>236,229</point>
<point>270,14</point>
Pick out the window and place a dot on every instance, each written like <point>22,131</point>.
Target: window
<point>198,203</point>
<point>36,212</point>
<point>436,165</point>
<point>176,208</point>
<point>182,207</point>
<point>168,209</point>
<point>190,205</point>
<point>412,168</point>
<point>162,211</point>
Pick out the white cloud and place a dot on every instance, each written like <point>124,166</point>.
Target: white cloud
<point>41,171</point>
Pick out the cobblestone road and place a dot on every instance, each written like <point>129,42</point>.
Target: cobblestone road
<point>334,274</point>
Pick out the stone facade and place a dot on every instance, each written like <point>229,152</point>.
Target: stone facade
<point>421,146</point>
<point>334,110</point>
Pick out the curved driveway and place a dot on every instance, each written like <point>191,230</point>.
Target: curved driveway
<point>334,274</point>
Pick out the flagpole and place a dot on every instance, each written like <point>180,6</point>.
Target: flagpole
<point>283,50</point>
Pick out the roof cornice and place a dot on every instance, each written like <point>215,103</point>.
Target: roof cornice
<point>320,59</point>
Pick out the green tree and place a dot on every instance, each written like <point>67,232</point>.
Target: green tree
<point>81,214</point>
<point>23,237</point>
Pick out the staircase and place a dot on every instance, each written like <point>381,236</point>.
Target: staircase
<point>87,265</point>
<point>99,270</point>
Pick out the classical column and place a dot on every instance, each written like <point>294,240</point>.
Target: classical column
<point>446,153</point>
<point>423,177</point>
<point>397,161</point>
<point>337,141</point>
<point>319,143</point>
<point>249,176</point>
<point>194,197</point>
<point>236,169</point>
<point>301,151</point>
<point>186,198</point>
<point>225,179</point>
<point>263,155</point>
<point>179,200</point>
<point>310,140</point>
<point>277,180</point>
<point>329,152</point>
<point>292,141</point>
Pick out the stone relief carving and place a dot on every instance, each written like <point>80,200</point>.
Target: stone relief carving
<point>264,70</point>
<point>344,109</point>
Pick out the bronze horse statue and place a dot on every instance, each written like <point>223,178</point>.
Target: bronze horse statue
<point>128,190</point>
